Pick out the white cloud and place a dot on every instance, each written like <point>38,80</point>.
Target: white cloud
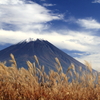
<point>45,4</point>
<point>93,59</point>
<point>89,23</point>
<point>11,2</point>
<point>20,14</point>
<point>69,40</point>
<point>96,1</point>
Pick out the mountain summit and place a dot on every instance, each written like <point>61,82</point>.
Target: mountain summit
<point>44,50</point>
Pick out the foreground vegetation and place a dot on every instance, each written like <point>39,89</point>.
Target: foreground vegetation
<point>34,84</point>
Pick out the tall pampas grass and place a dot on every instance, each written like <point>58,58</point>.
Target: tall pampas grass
<point>35,84</point>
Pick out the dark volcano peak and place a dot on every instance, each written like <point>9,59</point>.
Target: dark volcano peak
<point>44,50</point>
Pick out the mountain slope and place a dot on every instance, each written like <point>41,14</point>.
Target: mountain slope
<point>44,50</point>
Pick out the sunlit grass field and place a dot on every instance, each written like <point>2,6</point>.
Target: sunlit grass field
<point>35,84</point>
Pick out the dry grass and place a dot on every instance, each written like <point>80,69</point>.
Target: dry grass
<point>35,84</point>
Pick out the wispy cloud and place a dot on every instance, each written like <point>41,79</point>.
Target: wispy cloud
<point>46,4</point>
<point>96,1</point>
<point>42,0</point>
<point>30,15</point>
<point>93,59</point>
<point>89,23</point>
<point>11,2</point>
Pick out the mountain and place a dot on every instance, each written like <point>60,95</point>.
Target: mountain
<point>44,50</point>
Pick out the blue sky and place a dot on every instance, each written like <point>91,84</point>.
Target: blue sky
<point>71,25</point>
